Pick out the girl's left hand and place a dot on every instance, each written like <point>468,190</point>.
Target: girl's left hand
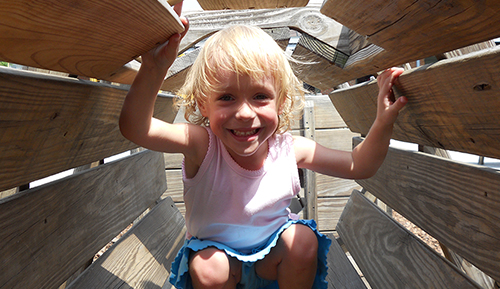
<point>387,106</point>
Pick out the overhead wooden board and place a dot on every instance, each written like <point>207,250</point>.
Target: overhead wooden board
<point>250,4</point>
<point>91,38</point>
<point>419,28</point>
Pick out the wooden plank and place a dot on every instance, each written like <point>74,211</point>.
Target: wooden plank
<point>341,272</point>
<point>452,104</point>
<point>250,4</point>
<point>389,255</point>
<point>327,186</point>
<point>175,185</point>
<point>456,203</point>
<point>49,232</point>
<point>51,124</point>
<point>329,211</point>
<point>142,256</point>
<point>93,38</point>
<point>306,20</point>
<point>419,29</point>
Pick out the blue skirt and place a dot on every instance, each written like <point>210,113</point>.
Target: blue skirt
<point>179,276</point>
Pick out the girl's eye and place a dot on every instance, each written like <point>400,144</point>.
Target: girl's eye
<point>261,97</point>
<point>226,97</point>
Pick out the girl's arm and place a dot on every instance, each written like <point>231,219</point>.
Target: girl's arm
<point>366,158</point>
<point>136,119</point>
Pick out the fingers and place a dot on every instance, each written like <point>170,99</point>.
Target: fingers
<point>178,8</point>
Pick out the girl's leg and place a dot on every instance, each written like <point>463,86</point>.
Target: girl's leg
<point>212,268</point>
<point>293,261</point>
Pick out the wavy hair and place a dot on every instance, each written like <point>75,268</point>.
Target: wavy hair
<point>245,50</point>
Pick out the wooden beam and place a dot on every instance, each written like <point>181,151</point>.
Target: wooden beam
<point>51,124</point>
<point>418,29</point>
<point>341,272</point>
<point>306,20</point>
<point>49,232</point>
<point>249,4</point>
<point>389,255</point>
<point>452,104</point>
<point>93,38</point>
<point>456,203</point>
<point>143,254</point>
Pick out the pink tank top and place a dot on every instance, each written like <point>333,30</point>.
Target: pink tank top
<point>238,207</point>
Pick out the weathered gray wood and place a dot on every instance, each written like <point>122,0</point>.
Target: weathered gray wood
<point>51,124</point>
<point>311,207</point>
<point>306,20</point>
<point>250,4</point>
<point>142,257</point>
<point>389,255</point>
<point>452,104</point>
<point>418,29</point>
<point>93,38</point>
<point>456,203</point>
<point>329,211</point>
<point>341,272</point>
<point>49,232</point>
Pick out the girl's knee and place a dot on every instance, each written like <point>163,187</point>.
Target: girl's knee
<point>302,244</point>
<point>212,268</point>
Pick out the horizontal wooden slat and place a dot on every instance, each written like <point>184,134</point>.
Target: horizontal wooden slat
<point>329,211</point>
<point>49,232</point>
<point>143,254</point>
<point>456,203</point>
<point>306,20</point>
<point>92,38</point>
<point>419,29</point>
<point>249,4</point>
<point>389,255</point>
<point>452,104</point>
<point>341,272</point>
<point>50,124</point>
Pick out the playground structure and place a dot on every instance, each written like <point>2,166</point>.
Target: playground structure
<point>51,123</point>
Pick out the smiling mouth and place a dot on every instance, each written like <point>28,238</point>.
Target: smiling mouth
<point>244,133</point>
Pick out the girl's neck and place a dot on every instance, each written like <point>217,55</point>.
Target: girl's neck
<point>253,162</point>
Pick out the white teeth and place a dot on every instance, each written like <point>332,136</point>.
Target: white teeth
<point>244,133</point>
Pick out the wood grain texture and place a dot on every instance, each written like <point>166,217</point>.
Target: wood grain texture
<point>329,211</point>
<point>49,232</point>
<point>50,124</point>
<point>419,28</point>
<point>341,272</point>
<point>91,38</point>
<point>452,104</point>
<point>143,256</point>
<point>306,20</point>
<point>456,203</point>
<point>250,4</point>
<point>390,256</point>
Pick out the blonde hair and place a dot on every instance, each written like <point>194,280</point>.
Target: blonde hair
<point>244,50</point>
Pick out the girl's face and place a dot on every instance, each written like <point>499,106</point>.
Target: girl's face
<point>243,113</point>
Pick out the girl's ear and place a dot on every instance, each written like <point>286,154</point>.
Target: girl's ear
<point>202,108</point>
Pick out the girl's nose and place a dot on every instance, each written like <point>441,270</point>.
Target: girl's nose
<point>245,111</point>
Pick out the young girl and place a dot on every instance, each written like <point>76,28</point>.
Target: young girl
<point>240,165</point>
